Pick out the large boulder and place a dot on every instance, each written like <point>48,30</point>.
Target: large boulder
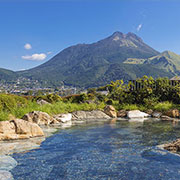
<point>82,115</point>
<point>38,117</point>
<point>19,129</point>
<point>27,128</point>
<point>174,113</point>
<point>122,113</point>
<point>63,118</point>
<point>137,114</point>
<point>7,127</point>
<point>7,130</point>
<point>110,111</point>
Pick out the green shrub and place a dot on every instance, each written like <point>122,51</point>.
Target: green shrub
<point>51,98</point>
<point>77,98</point>
<point>163,106</point>
<point>9,102</point>
<point>4,115</point>
<point>130,107</point>
<point>101,97</point>
<point>150,102</point>
<point>109,102</point>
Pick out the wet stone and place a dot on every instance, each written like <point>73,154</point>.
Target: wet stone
<point>5,175</point>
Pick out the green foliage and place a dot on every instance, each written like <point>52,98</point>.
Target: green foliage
<point>163,106</point>
<point>8,102</point>
<point>77,98</point>
<point>150,102</point>
<point>51,98</point>
<point>4,115</point>
<point>55,108</point>
<point>109,102</point>
<point>147,91</point>
<point>118,90</point>
<point>91,90</point>
<point>130,107</point>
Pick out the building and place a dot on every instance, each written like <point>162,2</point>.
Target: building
<point>137,85</point>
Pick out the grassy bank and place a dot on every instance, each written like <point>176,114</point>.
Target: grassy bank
<point>54,108</point>
<point>64,107</point>
<point>159,106</point>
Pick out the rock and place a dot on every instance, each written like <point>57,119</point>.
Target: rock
<point>55,122</point>
<point>110,111</point>
<point>83,115</point>
<point>136,114</point>
<point>149,111</point>
<point>6,175</point>
<point>38,117</point>
<point>7,163</point>
<point>122,113</point>
<point>7,127</point>
<point>173,147</point>
<point>42,102</point>
<point>27,128</point>
<point>67,124</point>
<point>63,117</point>
<point>174,113</point>
<point>166,118</point>
<point>18,146</point>
<point>156,114</point>
<point>19,129</point>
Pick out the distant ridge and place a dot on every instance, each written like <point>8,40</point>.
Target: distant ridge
<point>166,60</point>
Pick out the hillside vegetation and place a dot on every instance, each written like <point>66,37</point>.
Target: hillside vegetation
<point>155,94</point>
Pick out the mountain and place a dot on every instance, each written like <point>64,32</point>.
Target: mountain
<point>98,63</point>
<point>166,60</point>
<point>7,75</point>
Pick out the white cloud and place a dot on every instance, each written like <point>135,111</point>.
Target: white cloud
<point>27,46</point>
<point>35,57</point>
<point>49,52</point>
<point>139,27</point>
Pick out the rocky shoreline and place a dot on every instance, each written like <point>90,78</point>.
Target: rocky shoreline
<point>30,126</point>
<point>36,126</point>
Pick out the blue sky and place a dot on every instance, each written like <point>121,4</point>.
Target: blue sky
<point>48,26</point>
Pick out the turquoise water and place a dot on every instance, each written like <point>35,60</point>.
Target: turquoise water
<point>124,150</point>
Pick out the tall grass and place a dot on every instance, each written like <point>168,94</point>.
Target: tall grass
<point>51,109</point>
<point>163,106</point>
<point>128,107</point>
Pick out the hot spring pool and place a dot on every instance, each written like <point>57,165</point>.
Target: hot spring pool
<point>123,150</point>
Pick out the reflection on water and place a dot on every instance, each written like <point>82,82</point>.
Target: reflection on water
<point>116,150</point>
